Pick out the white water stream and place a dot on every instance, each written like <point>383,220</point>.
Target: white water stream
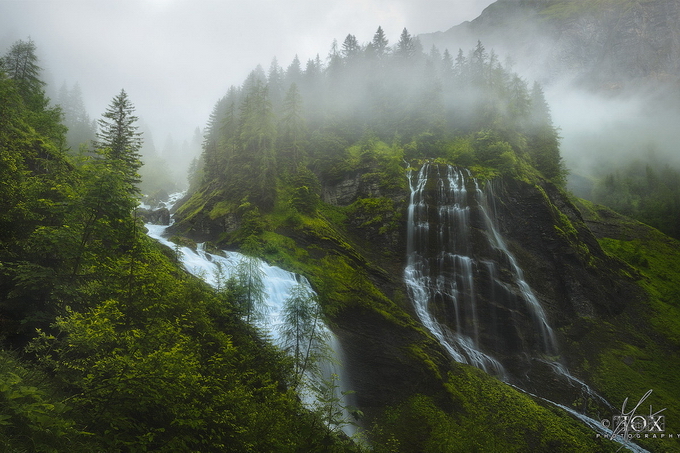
<point>278,283</point>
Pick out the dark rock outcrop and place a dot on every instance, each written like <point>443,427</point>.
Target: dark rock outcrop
<point>157,216</point>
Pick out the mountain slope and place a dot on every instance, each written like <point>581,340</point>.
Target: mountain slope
<point>602,43</point>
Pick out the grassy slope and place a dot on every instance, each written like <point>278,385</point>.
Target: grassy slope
<point>640,349</point>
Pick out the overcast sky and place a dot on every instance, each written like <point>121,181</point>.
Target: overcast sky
<point>176,58</point>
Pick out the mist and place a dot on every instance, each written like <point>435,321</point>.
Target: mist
<point>175,58</point>
<point>600,132</point>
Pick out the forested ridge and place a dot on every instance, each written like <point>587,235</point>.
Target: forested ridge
<point>468,109</point>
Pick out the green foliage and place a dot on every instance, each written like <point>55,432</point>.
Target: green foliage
<point>492,152</point>
<point>461,152</point>
<point>20,65</point>
<point>251,299</point>
<point>118,139</point>
<point>379,213</point>
<point>130,354</point>
<point>304,336</point>
<point>631,353</point>
<point>517,423</point>
<point>330,407</point>
<point>31,416</point>
<point>37,195</point>
<point>305,196</point>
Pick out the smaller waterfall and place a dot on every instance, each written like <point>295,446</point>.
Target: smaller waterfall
<point>587,393</point>
<point>592,424</point>
<point>535,309</point>
<point>278,284</point>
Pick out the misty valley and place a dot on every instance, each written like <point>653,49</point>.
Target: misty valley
<point>395,248</point>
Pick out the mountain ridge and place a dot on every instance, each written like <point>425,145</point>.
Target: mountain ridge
<point>603,44</point>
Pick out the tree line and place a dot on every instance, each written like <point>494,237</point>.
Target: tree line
<point>470,109</point>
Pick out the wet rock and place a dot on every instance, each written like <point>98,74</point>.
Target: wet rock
<point>157,216</point>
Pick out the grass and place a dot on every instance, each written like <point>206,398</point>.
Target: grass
<point>638,350</point>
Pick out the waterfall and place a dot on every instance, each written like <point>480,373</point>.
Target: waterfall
<point>469,291</point>
<point>278,284</point>
<point>465,285</point>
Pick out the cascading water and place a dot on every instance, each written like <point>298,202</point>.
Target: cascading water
<point>456,257</point>
<point>467,287</point>
<point>278,284</point>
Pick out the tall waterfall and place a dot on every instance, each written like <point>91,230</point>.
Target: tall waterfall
<point>468,289</point>
<point>465,285</point>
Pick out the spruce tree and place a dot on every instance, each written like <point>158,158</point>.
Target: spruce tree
<point>351,47</point>
<point>380,43</point>
<point>21,65</point>
<point>292,130</point>
<point>303,333</point>
<point>118,138</point>
<point>543,138</point>
<point>405,47</point>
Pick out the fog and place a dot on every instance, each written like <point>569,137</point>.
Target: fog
<point>604,131</point>
<point>175,58</point>
<point>609,107</point>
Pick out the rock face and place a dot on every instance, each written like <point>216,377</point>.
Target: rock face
<point>561,257</point>
<point>570,275</point>
<point>158,216</point>
<point>605,43</point>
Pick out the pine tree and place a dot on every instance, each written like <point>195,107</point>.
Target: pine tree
<point>302,332</point>
<point>380,43</point>
<point>351,47</point>
<point>293,72</point>
<point>118,138</point>
<point>80,126</point>
<point>21,65</point>
<point>478,63</point>
<point>543,139</point>
<point>275,84</point>
<point>405,47</point>
<point>251,298</point>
